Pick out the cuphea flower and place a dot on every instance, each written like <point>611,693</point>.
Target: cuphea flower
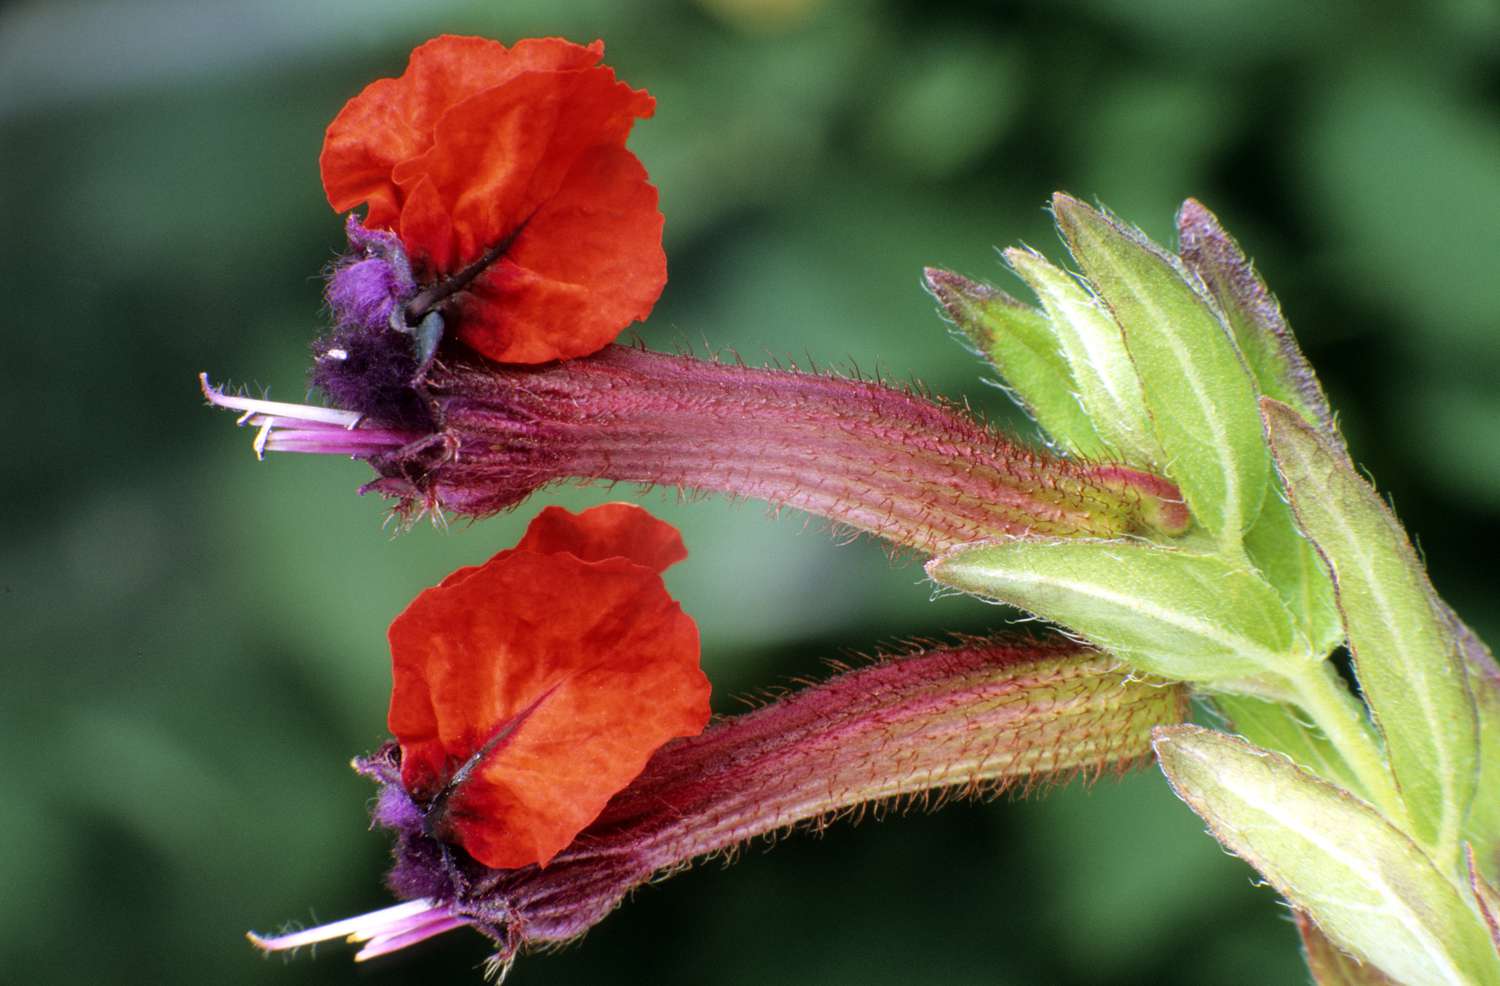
<point>529,689</point>
<point>475,166</point>
<point>505,175</point>
<point>969,719</point>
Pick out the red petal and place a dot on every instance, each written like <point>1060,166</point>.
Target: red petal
<point>477,147</point>
<point>588,264</point>
<point>582,668</point>
<point>393,119</point>
<point>610,530</point>
<point>501,153</point>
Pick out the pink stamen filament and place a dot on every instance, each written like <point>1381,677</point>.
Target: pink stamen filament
<point>386,944</point>
<point>284,427</point>
<point>385,930</point>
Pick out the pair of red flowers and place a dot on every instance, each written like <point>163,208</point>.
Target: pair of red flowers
<point>528,690</point>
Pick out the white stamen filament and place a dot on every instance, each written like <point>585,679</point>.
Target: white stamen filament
<point>283,427</point>
<point>297,412</point>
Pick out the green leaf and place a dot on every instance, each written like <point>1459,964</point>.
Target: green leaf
<point>1108,388</point>
<point>1277,726</point>
<point>1018,340</point>
<point>1291,564</point>
<point>1331,965</point>
<point>1252,314</point>
<point>1482,827</point>
<point>1199,394</point>
<point>1405,653</point>
<point>1181,615</point>
<point>1371,890</point>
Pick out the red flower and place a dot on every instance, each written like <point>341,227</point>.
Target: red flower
<point>511,161</point>
<point>530,689</point>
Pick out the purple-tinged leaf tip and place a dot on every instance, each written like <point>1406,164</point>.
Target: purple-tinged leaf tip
<point>1253,314</point>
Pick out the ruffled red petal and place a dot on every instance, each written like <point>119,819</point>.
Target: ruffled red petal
<point>392,120</point>
<point>516,158</point>
<point>567,673</point>
<point>609,530</point>
<point>588,264</point>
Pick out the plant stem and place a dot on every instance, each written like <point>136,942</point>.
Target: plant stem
<point>1322,695</point>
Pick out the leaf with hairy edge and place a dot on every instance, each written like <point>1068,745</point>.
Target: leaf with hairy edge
<point>1280,370</point>
<point>1108,388</point>
<point>1331,965</point>
<point>1482,827</point>
<point>1253,315</point>
<point>1370,889</point>
<point>1277,726</point>
<point>1181,615</point>
<point>1018,340</point>
<point>1199,394</point>
<point>1405,653</point>
<point>1290,563</point>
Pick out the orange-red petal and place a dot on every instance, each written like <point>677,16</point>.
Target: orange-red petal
<point>576,670</point>
<point>588,263</point>
<point>392,120</point>
<point>479,150</point>
<point>610,530</point>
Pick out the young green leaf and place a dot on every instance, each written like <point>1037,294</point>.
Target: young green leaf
<point>1253,315</point>
<point>1405,653</point>
<point>1331,965</point>
<point>1278,726</point>
<point>1370,889</point>
<point>1108,389</point>
<point>1019,341</point>
<point>1482,827</point>
<point>1291,564</point>
<point>1181,615</point>
<point>1199,394</point>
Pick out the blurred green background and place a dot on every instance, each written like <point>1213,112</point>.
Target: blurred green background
<point>195,642</point>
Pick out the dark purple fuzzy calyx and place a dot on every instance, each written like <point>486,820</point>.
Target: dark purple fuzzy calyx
<point>373,360</point>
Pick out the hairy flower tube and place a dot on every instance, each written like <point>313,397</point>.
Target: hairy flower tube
<point>918,473</point>
<point>968,719</point>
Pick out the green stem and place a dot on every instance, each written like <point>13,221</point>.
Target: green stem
<point>1322,695</point>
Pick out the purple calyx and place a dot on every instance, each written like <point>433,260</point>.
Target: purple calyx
<point>371,282</point>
